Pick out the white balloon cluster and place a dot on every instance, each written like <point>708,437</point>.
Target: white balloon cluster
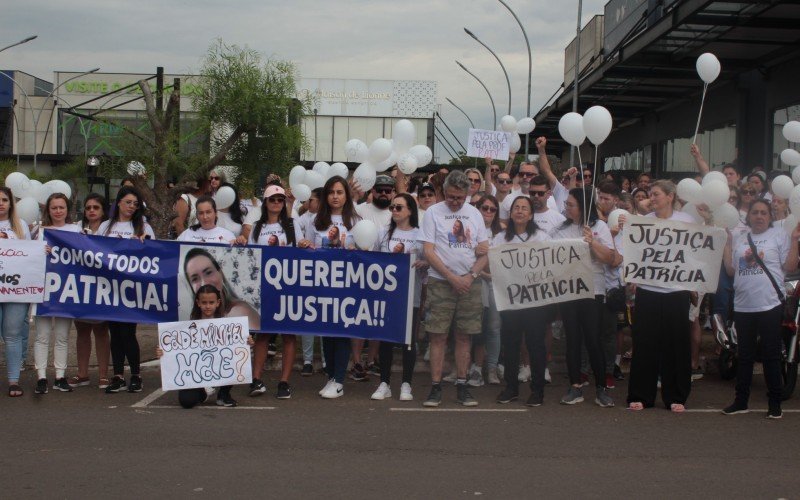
<point>713,193</point>
<point>32,193</point>
<point>595,125</point>
<point>516,128</point>
<point>789,156</point>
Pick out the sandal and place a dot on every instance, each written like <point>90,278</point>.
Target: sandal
<point>677,408</point>
<point>14,391</point>
<point>636,406</point>
<point>104,382</point>
<point>77,381</point>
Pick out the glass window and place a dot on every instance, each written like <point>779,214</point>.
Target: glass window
<point>718,147</point>
<point>779,143</point>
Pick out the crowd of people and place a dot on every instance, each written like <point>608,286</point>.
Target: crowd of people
<point>449,220</point>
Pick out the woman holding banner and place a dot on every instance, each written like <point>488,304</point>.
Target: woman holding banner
<point>275,225</point>
<point>582,318</point>
<point>206,230</point>
<point>336,209</point>
<point>661,340</point>
<point>127,222</point>
<point>758,261</point>
<point>56,217</point>
<point>13,315</point>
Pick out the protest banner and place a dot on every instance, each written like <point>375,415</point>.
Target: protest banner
<point>21,271</point>
<point>535,274</point>
<point>204,353</point>
<point>278,289</point>
<point>672,255</point>
<point>492,143</point>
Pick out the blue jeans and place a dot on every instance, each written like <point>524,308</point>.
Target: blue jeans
<point>308,349</point>
<point>13,318</point>
<point>491,330</point>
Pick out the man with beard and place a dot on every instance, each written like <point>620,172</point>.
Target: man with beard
<point>545,217</point>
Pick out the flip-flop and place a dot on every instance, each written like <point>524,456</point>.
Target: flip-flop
<point>636,406</point>
<point>14,391</point>
<point>677,408</point>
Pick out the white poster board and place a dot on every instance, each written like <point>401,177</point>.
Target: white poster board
<point>672,255</point>
<point>22,265</point>
<point>526,275</point>
<point>492,143</point>
<point>204,353</point>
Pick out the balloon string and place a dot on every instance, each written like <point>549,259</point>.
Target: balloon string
<point>594,176</point>
<point>700,115</point>
<point>583,183</point>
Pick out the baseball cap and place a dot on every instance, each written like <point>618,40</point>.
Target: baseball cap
<point>426,185</point>
<point>384,180</point>
<point>273,190</point>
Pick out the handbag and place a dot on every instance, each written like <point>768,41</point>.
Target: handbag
<point>763,267</point>
<point>616,298</point>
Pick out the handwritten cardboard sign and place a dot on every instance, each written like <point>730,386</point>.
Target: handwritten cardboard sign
<point>492,143</point>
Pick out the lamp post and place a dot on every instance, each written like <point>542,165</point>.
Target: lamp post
<point>530,69</point>
<point>508,82</point>
<point>462,112</point>
<point>577,74</point>
<point>26,40</point>
<point>494,110</point>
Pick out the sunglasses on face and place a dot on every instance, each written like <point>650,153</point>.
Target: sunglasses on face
<point>748,192</point>
<point>276,199</point>
<point>504,181</point>
<point>214,178</point>
<point>488,209</point>
<point>537,193</point>
<point>475,181</point>
<point>396,208</point>
<point>384,190</point>
<point>526,174</point>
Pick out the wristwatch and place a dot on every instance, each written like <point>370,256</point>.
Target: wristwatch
<point>474,275</point>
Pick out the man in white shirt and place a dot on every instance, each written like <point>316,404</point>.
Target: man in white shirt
<point>378,211</point>
<point>545,217</point>
<point>452,232</point>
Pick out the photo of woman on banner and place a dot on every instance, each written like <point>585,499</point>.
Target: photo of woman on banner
<point>213,266</point>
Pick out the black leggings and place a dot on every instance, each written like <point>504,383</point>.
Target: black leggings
<point>386,355</point>
<point>582,319</point>
<point>530,324</point>
<point>189,398</point>
<point>767,326</point>
<point>124,345</point>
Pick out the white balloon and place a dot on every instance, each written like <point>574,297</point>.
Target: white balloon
<point>297,175</point>
<point>356,150</point>
<point>526,126</point>
<point>322,168</point>
<point>339,169</point>
<point>613,218</point>
<point>716,193</point>
<point>597,124</point>
<point>28,210</point>
<point>570,126</point>
<point>794,200</point>
<point>726,216</point>
<point>42,192</point>
<point>364,175</point>
<point>379,150</point>
<point>508,124</point>
<point>14,181</point>
<point>790,157</point>
<point>691,209</point>
<point>301,192</point>
<point>782,186</point>
<point>791,131</point>
<point>790,222</point>
<point>708,67</point>
<point>31,189</point>
<point>422,153</point>
<point>403,136</point>
<point>714,176</point>
<point>690,191</point>
<point>796,175</point>
<point>407,164</point>
<point>314,179</point>
<point>387,163</point>
<point>515,144</point>
<point>224,197</point>
<point>59,186</point>
<point>365,234</point>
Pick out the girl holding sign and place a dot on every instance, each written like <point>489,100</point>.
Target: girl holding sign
<point>13,315</point>
<point>336,210</point>
<point>758,261</point>
<point>127,222</point>
<point>274,228</point>
<point>56,217</point>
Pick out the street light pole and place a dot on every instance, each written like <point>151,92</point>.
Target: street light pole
<point>26,40</point>
<point>462,112</point>
<point>530,69</point>
<point>494,110</point>
<point>577,74</point>
<point>508,82</point>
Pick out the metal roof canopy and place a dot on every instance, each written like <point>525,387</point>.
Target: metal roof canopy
<point>656,69</point>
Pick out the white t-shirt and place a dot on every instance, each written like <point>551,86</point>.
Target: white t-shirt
<point>5,227</point>
<point>548,220</point>
<point>334,236</point>
<point>190,200</point>
<point>676,216</point>
<point>601,233</point>
<point>215,235</point>
<point>273,235</point>
<point>614,274</point>
<point>122,230</point>
<point>454,236</point>
<point>224,220</point>
<point>380,216</point>
<point>70,228</point>
<point>252,216</point>
<point>303,222</point>
<point>247,204</point>
<point>559,198</point>
<point>403,241</point>
<point>505,205</point>
<point>753,291</point>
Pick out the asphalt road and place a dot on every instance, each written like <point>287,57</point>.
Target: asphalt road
<point>88,444</point>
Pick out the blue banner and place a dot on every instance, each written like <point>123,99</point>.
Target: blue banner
<point>278,289</point>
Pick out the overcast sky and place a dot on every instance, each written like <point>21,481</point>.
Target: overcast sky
<point>371,39</point>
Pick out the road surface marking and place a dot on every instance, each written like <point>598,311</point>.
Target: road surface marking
<point>462,410</point>
<point>204,407</point>
<point>148,399</point>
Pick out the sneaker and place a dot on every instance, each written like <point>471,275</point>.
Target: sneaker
<point>775,412</point>
<point>435,396</point>
<point>602,399</point>
<point>41,386</point>
<point>136,384</point>
<point>78,381</point>
<point>475,378</point>
<point>451,377</point>
<point>584,379</point>
<point>308,370</point>
<point>334,390</point>
<point>611,382</point>
<point>226,401</point>
<point>405,392</point>
<point>547,378</point>
<point>374,369</point>
<point>735,409</point>
<point>209,392</point>
<point>573,396</point>
<point>62,385</point>
<point>507,396</point>
<point>272,349</point>
<point>284,391</point>
<point>534,400</point>
<point>618,373</point>
<point>116,385</point>
<point>524,373</point>
<point>463,396</point>
<point>491,377</point>
<point>697,373</point>
<point>501,370</point>
<point>382,392</point>
<point>358,373</point>
<point>257,387</point>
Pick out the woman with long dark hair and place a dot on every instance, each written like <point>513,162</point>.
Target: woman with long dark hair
<point>582,318</point>
<point>336,209</point>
